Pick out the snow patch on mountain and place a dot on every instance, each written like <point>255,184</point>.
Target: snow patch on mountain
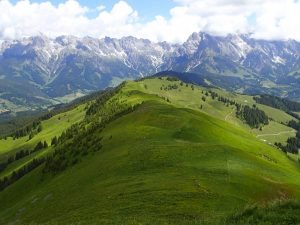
<point>88,63</point>
<point>277,59</point>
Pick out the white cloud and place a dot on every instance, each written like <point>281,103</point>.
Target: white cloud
<point>274,19</point>
<point>69,18</point>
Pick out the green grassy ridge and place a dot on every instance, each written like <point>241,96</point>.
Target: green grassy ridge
<point>188,98</point>
<point>166,163</point>
<point>110,108</point>
<point>51,128</point>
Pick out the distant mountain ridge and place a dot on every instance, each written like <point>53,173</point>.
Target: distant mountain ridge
<point>52,68</point>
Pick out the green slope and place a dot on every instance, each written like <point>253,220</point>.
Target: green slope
<point>51,128</point>
<point>166,162</point>
<point>191,98</point>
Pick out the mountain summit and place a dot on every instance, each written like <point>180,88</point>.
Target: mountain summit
<point>53,68</point>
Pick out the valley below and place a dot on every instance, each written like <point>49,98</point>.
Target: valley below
<point>140,112</point>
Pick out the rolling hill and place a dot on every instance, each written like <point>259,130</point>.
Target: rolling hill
<point>153,151</point>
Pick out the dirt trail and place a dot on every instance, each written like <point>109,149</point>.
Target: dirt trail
<point>277,134</point>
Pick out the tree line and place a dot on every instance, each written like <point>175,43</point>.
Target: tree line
<point>169,87</point>
<point>87,139</point>
<point>76,141</point>
<point>17,174</point>
<point>278,103</point>
<point>293,143</point>
<point>253,116</point>
<point>21,154</point>
<point>10,128</point>
<point>31,129</point>
<point>215,95</point>
<point>101,99</point>
<point>87,134</point>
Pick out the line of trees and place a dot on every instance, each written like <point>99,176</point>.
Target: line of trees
<point>31,129</point>
<point>293,143</point>
<point>253,116</point>
<point>215,95</point>
<point>101,99</point>
<point>227,101</point>
<point>11,128</point>
<point>279,103</point>
<point>80,139</point>
<point>87,139</point>
<point>294,124</point>
<point>22,154</point>
<point>169,87</point>
<point>172,79</point>
<point>75,142</point>
<point>16,175</point>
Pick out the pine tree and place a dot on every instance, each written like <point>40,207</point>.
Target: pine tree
<point>39,146</point>
<point>40,128</point>
<point>54,141</point>
<point>31,135</point>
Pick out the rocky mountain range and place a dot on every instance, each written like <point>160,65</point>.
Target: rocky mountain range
<point>38,71</point>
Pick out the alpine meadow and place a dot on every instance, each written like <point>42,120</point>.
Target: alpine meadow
<point>181,112</point>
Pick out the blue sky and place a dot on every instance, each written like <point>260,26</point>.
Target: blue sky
<point>147,9</point>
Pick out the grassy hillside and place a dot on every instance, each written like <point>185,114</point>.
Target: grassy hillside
<point>171,159</point>
<point>51,128</point>
<point>191,98</point>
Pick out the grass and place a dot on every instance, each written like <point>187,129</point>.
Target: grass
<point>283,213</point>
<point>164,163</point>
<point>51,128</point>
<point>188,98</point>
<point>70,97</point>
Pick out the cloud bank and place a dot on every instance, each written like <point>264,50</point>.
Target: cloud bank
<point>265,19</point>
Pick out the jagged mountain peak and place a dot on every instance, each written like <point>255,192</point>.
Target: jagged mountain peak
<point>68,63</point>
<point>66,40</point>
<point>40,40</point>
<point>192,43</point>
